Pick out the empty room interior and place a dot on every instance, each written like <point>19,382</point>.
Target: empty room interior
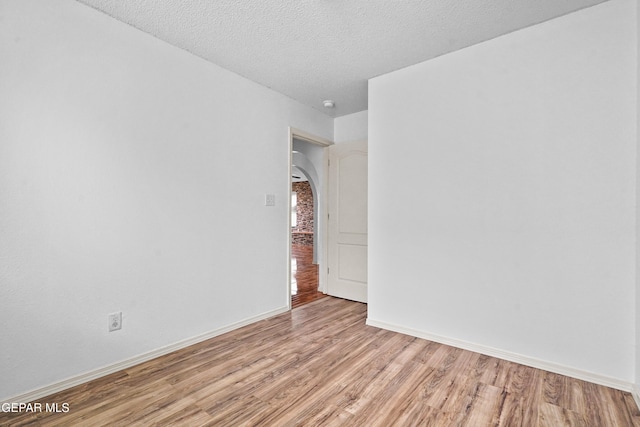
<point>469,173</point>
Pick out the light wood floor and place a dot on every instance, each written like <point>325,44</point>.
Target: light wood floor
<point>321,365</point>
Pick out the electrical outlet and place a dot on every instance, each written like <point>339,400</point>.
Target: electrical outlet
<point>115,321</point>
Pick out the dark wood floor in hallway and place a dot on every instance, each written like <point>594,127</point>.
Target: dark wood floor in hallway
<point>304,276</point>
<point>320,365</point>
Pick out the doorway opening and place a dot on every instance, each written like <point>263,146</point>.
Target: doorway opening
<point>307,233</point>
<point>304,272</point>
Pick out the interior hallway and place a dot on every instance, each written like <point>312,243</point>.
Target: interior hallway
<point>304,276</point>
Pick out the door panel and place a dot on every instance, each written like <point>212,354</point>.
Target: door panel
<point>352,261</point>
<point>347,228</point>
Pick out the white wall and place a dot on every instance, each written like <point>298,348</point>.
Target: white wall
<point>352,127</point>
<point>502,193</point>
<point>637,325</point>
<point>128,183</point>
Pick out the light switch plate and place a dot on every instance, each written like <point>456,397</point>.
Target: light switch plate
<point>269,199</point>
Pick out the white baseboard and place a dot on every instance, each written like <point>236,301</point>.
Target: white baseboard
<point>514,357</point>
<point>635,392</point>
<point>101,372</point>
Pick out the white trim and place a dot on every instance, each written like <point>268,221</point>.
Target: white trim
<point>635,392</point>
<point>101,372</point>
<point>289,207</point>
<point>515,357</point>
<point>305,136</point>
<point>322,269</point>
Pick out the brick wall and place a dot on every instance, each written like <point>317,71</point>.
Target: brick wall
<point>305,214</point>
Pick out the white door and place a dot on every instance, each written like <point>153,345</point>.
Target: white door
<point>347,227</point>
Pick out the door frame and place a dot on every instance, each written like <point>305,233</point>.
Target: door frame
<point>322,213</point>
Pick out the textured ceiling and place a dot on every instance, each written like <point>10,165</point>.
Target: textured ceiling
<point>312,50</point>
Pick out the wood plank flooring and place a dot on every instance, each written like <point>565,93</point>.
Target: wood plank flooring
<point>320,365</point>
<point>304,276</point>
